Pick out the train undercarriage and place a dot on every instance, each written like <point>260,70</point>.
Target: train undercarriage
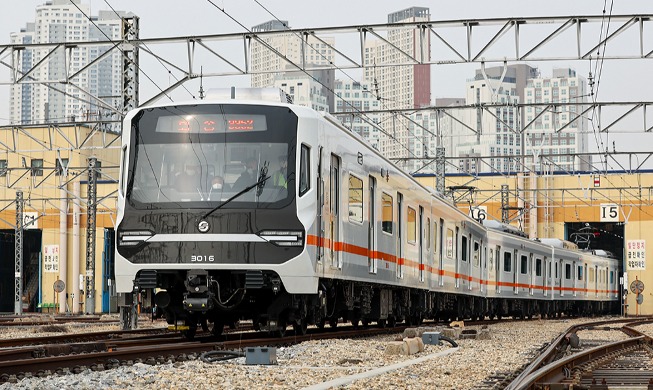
<point>195,299</point>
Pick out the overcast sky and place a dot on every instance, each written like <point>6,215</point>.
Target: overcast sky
<point>621,80</point>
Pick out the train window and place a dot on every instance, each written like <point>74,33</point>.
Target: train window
<point>411,225</point>
<point>523,267</point>
<point>567,271</point>
<point>507,262</point>
<point>387,213</point>
<point>491,258</point>
<point>355,199</point>
<point>463,252</point>
<point>556,270</point>
<point>611,277</point>
<point>304,170</point>
<point>580,272</point>
<point>477,248</point>
<point>538,267</point>
<point>450,243</point>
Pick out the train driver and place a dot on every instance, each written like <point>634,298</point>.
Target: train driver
<point>279,178</point>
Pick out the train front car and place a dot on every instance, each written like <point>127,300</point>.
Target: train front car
<point>207,215</point>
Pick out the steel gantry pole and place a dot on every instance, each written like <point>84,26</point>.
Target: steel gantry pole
<point>130,67</point>
<point>90,235</point>
<point>18,263</point>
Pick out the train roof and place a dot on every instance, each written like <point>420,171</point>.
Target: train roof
<point>558,243</point>
<point>503,227</point>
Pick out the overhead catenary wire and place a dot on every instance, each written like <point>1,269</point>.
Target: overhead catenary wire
<point>269,47</point>
<point>378,97</point>
<point>158,59</point>
<point>122,51</point>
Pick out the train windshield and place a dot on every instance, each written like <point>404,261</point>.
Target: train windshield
<point>201,156</point>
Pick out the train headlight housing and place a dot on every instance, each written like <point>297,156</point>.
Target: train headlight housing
<point>283,237</point>
<point>132,238</point>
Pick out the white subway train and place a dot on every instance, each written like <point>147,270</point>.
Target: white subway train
<point>254,209</point>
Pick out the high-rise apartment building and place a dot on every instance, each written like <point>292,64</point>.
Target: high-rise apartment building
<point>544,135</point>
<point>307,88</point>
<point>400,86</point>
<point>505,132</point>
<point>494,134</point>
<point>61,21</point>
<point>352,96</point>
<point>268,66</point>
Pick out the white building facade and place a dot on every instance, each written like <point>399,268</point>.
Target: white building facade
<point>60,21</point>
<point>352,96</point>
<point>543,132</point>
<point>269,68</point>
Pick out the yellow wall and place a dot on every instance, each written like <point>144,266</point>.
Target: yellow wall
<point>564,198</point>
<point>42,193</point>
<point>570,198</point>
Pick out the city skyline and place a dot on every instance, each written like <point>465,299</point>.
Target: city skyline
<point>446,80</point>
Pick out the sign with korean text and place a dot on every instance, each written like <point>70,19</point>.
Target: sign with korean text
<point>51,258</point>
<point>635,255</point>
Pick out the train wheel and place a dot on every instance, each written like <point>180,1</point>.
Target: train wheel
<point>218,327</point>
<point>190,332</point>
<point>392,322</point>
<point>300,328</point>
<point>333,322</point>
<point>365,322</point>
<point>205,325</point>
<point>281,332</point>
<point>320,324</point>
<point>381,323</point>
<point>355,323</point>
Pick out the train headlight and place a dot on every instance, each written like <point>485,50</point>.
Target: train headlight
<point>283,237</point>
<point>133,237</point>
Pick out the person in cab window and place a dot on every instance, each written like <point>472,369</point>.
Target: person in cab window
<point>188,179</point>
<point>280,177</point>
<point>248,176</point>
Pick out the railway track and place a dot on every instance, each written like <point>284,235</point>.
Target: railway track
<point>566,364</point>
<point>16,363</point>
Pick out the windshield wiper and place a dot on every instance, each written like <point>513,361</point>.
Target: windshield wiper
<point>246,189</point>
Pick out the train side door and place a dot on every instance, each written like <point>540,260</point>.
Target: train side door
<point>547,275</point>
<point>334,222</point>
<point>585,284</point>
<point>531,273</point>
<point>320,209</point>
<point>497,267</point>
<point>372,261</point>
<point>457,257</point>
<point>441,244</point>
<point>596,280</point>
<point>559,275</point>
<point>483,276</point>
<point>420,244</point>
<point>574,284</point>
<point>400,236</point>
<point>429,254</point>
<point>515,271</point>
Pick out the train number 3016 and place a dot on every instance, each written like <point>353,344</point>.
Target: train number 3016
<point>202,258</point>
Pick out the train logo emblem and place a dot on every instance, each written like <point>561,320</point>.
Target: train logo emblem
<point>203,226</point>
